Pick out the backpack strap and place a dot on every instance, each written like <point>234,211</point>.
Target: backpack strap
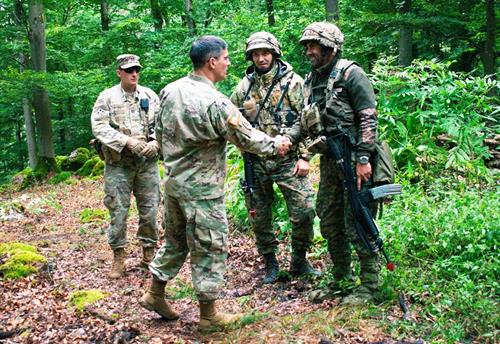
<point>336,74</point>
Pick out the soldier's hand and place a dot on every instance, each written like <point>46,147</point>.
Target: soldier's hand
<point>151,150</point>
<point>284,145</point>
<point>301,169</point>
<point>135,145</point>
<point>363,173</point>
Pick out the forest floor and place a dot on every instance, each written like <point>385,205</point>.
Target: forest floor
<point>36,308</point>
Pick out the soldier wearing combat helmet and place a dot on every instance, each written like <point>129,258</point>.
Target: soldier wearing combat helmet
<point>340,94</point>
<point>271,96</point>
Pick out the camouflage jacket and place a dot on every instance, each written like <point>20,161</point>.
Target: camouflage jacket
<point>194,123</point>
<point>116,116</point>
<point>286,120</point>
<point>351,103</point>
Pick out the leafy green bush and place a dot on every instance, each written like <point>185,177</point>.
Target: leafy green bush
<point>435,119</point>
<point>445,243</point>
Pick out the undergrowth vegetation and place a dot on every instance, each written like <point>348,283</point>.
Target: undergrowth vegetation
<point>443,231</point>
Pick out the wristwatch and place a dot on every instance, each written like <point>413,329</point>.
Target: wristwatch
<point>363,159</point>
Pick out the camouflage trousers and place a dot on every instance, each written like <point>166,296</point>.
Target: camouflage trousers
<point>198,227</point>
<point>143,180</point>
<point>298,195</point>
<point>337,226</point>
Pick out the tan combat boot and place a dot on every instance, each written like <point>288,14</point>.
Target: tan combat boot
<point>211,319</point>
<point>148,254</point>
<point>118,268</point>
<point>154,300</point>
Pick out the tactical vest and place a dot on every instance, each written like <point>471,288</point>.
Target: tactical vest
<point>337,111</point>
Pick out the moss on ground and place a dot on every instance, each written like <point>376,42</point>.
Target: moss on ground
<point>81,298</point>
<point>22,260</point>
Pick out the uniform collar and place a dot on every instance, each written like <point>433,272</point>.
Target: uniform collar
<point>326,69</point>
<point>267,78</point>
<point>201,78</point>
<point>126,96</point>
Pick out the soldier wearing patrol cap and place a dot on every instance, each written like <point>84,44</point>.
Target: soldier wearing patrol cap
<point>123,120</point>
<point>271,96</point>
<point>339,92</point>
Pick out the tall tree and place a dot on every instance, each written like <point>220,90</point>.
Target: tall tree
<point>28,123</point>
<point>40,95</point>
<point>156,14</point>
<point>104,15</point>
<point>188,7</point>
<point>405,36</point>
<point>270,13</point>
<point>489,55</point>
<point>20,19</point>
<point>332,10</point>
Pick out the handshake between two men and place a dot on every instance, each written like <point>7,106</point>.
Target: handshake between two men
<point>284,145</point>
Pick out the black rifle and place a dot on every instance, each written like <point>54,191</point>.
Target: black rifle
<point>247,183</point>
<point>339,147</point>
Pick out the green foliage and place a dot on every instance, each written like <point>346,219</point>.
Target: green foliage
<point>181,290</point>
<point>20,260</point>
<point>80,299</point>
<point>60,177</point>
<point>444,240</point>
<point>90,215</point>
<point>89,167</point>
<point>435,119</point>
<point>77,159</point>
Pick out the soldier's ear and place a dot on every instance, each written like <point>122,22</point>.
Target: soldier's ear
<point>211,62</point>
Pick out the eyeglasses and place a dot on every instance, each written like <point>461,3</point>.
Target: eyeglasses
<point>130,70</point>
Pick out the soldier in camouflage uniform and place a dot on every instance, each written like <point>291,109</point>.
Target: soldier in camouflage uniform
<point>348,104</point>
<point>123,122</point>
<point>194,123</point>
<point>271,96</point>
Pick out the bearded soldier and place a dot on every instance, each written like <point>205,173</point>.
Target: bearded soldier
<point>271,95</point>
<point>340,94</point>
<point>194,123</point>
<point>123,122</point>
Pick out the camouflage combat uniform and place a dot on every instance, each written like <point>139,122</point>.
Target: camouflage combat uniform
<point>193,125</point>
<point>352,106</point>
<point>297,191</point>
<point>116,117</point>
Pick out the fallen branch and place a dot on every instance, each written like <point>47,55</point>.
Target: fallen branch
<point>404,306</point>
<point>12,333</point>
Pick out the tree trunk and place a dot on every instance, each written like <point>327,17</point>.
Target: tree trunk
<point>28,123</point>
<point>104,15</point>
<point>156,14</point>
<point>20,19</point>
<point>489,55</point>
<point>332,10</point>
<point>270,13</point>
<point>188,5</point>
<point>405,37</point>
<point>40,96</point>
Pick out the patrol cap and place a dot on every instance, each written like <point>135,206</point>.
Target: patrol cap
<point>125,61</point>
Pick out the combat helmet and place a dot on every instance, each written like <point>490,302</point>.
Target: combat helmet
<point>326,34</point>
<point>262,40</point>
